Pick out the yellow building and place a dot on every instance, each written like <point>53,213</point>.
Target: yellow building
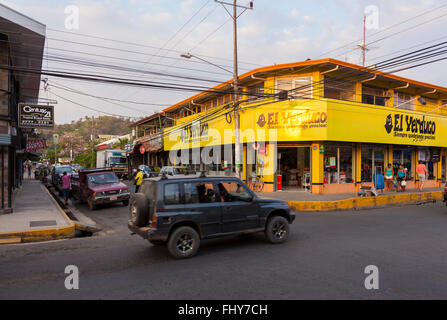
<point>326,126</point>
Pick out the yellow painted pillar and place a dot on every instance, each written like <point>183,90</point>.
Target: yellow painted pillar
<point>318,85</point>
<point>438,170</point>
<point>390,102</point>
<point>415,163</point>
<point>269,88</point>
<point>244,162</point>
<point>358,92</point>
<point>317,169</point>
<point>358,166</point>
<point>389,156</point>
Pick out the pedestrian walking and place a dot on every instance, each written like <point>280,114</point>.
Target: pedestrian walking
<point>30,167</point>
<point>389,177</point>
<point>138,180</point>
<point>65,186</point>
<point>422,172</point>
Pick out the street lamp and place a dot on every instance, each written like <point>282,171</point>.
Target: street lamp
<point>189,56</point>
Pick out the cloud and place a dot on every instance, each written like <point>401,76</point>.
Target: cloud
<point>294,13</point>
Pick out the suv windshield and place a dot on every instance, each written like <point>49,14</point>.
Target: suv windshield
<point>66,169</point>
<point>102,178</point>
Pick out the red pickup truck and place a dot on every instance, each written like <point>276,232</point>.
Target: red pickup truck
<point>99,186</point>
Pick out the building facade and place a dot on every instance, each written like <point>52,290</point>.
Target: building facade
<point>325,126</point>
<point>147,141</point>
<point>21,46</point>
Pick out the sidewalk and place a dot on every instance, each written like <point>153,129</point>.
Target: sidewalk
<point>306,201</point>
<point>36,217</point>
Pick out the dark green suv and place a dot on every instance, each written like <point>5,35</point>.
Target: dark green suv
<point>180,211</point>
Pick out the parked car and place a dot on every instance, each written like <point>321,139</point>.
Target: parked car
<point>172,171</point>
<point>57,173</point>
<point>77,167</point>
<point>99,186</point>
<point>180,211</point>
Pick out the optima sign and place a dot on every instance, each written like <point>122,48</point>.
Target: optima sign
<point>36,116</point>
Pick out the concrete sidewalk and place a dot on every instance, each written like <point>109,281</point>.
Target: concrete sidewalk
<point>36,217</point>
<point>306,201</point>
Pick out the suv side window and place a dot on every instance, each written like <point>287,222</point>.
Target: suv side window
<point>233,191</point>
<point>171,194</point>
<point>206,192</point>
<point>199,192</point>
<point>191,193</point>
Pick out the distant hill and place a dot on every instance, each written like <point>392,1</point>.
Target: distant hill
<point>86,126</point>
<point>76,135</point>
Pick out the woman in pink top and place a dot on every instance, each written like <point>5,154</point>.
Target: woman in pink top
<point>65,186</point>
<point>422,172</point>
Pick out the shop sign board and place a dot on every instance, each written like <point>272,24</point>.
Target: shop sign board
<point>36,116</point>
<point>376,124</point>
<point>314,120</point>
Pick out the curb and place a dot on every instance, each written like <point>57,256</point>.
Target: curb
<point>365,202</point>
<point>44,234</point>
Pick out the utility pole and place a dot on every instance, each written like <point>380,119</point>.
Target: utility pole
<point>237,142</point>
<point>364,39</point>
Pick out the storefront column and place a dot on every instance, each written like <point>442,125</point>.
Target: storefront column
<point>317,169</point>
<point>358,167</point>
<point>439,171</point>
<point>389,156</point>
<point>414,164</point>
<point>244,162</point>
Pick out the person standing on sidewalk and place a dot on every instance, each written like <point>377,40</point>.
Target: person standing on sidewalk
<point>30,167</point>
<point>389,177</point>
<point>422,172</point>
<point>138,180</point>
<point>65,187</point>
<point>401,178</point>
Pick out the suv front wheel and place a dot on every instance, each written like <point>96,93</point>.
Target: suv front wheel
<point>183,242</point>
<point>277,229</point>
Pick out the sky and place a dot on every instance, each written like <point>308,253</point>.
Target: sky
<point>156,32</point>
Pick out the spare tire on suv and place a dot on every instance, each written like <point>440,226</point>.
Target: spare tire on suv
<point>139,213</point>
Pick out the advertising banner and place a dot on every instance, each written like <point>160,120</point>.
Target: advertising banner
<point>36,116</point>
<point>35,144</point>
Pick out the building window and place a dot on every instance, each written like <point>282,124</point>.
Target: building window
<point>373,95</point>
<point>403,101</point>
<point>298,88</point>
<point>255,93</point>
<point>339,89</point>
<point>337,164</point>
<point>430,157</point>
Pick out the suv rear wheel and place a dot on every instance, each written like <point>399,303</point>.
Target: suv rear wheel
<point>183,242</point>
<point>277,229</point>
<point>139,210</point>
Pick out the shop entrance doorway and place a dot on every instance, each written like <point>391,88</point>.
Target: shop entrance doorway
<point>373,162</point>
<point>294,164</point>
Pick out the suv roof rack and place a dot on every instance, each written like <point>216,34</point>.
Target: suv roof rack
<point>95,170</point>
<point>164,176</point>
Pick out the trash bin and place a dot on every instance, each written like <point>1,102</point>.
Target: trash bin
<point>279,182</point>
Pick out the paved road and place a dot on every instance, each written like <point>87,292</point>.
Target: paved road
<point>325,257</point>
